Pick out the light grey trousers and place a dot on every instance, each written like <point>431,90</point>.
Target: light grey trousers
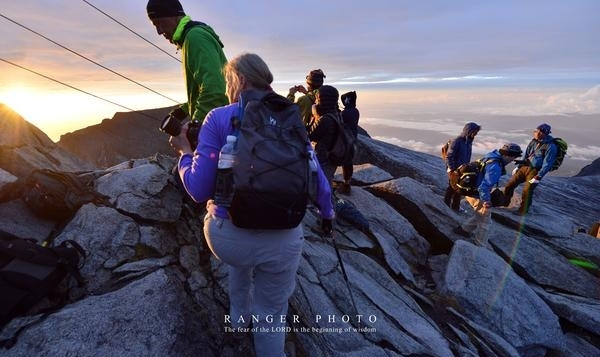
<point>262,277</point>
<point>479,223</point>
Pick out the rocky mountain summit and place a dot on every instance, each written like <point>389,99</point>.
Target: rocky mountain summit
<point>154,289</point>
<point>23,147</point>
<point>130,135</point>
<point>592,169</point>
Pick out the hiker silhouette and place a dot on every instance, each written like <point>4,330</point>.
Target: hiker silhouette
<point>314,81</point>
<point>350,117</point>
<point>322,130</point>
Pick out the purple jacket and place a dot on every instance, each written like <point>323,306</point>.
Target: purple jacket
<point>198,173</point>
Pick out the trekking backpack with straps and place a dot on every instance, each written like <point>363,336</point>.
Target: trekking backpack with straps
<point>54,195</point>
<point>342,150</point>
<point>58,195</point>
<point>561,152</point>
<point>29,272</point>
<point>272,172</point>
<point>464,180</point>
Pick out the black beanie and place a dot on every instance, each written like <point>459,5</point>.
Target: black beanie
<point>315,78</point>
<point>328,99</point>
<point>164,8</point>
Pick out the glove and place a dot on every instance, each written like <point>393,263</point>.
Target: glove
<point>514,171</point>
<point>327,227</point>
<point>535,180</point>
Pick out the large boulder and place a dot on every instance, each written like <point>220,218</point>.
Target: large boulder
<point>154,288</point>
<point>487,290</point>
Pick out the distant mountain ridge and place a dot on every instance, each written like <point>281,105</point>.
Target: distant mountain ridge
<point>133,135</point>
<point>128,135</point>
<point>24,147</point>
<point>592,169</point>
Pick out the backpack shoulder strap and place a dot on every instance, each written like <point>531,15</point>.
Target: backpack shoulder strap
<point>494,159</point>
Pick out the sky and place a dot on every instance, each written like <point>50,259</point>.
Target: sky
<point>404,58</point>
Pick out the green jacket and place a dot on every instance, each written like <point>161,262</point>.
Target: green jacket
<point>305,103</point>
<point>203,60</point>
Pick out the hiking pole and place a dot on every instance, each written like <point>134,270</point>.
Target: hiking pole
<point>339,256</point>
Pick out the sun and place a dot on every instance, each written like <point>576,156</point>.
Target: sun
<point>16,98</point>
<point>32,104</point>
<point>57,112</point>
<point>53,112</point>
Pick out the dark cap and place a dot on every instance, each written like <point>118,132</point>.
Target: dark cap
<point>315,78</point>
<point>511,149</point>
<point>164,8</point>
<point>544,128</point>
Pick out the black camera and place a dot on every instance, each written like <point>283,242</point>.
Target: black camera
<point>521,162</point>
<point>171,125</point>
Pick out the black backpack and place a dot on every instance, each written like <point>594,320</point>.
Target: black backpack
<point>346,211</point>
<point>464,179</point>
<point>342,150</point>
<point>272,175</point>
<point>29,272</point>
<point>58,195</point>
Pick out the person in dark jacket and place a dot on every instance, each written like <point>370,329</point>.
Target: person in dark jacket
<point>322,131</point>
<point>538,160</point>
<point>459,152</point>
<point>350,116</point>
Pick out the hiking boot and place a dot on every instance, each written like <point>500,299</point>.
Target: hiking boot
<point>460,231</point>
<point>344,189</point>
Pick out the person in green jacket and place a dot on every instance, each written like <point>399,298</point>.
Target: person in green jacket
<point>202,57</point>
<point>314,81</point>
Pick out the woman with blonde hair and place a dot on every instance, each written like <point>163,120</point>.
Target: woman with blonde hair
<point>262,262</point>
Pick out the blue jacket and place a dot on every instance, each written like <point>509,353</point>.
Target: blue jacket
<point>541,154</point>
<point>491,174</point>
<point>459,150</point>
